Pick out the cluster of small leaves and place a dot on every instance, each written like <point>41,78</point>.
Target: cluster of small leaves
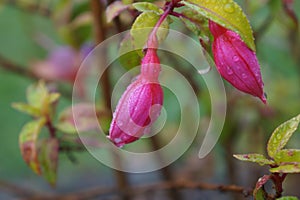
<point>41,154</point>
<point>281,161</point>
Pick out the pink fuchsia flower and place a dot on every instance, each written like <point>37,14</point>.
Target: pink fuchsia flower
<point>236,62</point>
<point>140,105</point>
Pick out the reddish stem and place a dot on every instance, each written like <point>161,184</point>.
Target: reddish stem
<point>152,40</point>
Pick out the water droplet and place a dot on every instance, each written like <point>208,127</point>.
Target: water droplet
<point>229,8</point>
<point>117,140</point>
<point>236,58</point>
<point>204,71</point>
<point>244,76</point>
<point>229,71</point>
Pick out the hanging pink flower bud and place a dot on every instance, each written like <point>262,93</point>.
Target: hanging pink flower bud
<point>236,62</point>
<point>140,105</point>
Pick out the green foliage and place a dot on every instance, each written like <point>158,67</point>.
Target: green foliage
<point>129,56</point>
<point>143,26</point>
<point>40,155</point>
<point>281,136</point>
<point>285,160</point>
<point>27,141</point>
<point>86,122</point>
<point>145,6</point>
<point>257,158</point>
<point>226,13</point>
<point>48,156</point>
<point>287,198</point>
<point>39,101</point>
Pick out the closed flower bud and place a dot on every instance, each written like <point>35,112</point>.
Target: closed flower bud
<point>140,105</point>
<point>236,62</point>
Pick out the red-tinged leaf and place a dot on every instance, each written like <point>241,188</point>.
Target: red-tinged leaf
<point>48,156</point>
<point>260,183</point>
<point>27,141</point>
<point>256,158</point>
<point>281,136</point>
<point>287,155</point>
<point>115,9</point>
<point>226,13</point>
<point>86,119</point>
<point>287,168</point>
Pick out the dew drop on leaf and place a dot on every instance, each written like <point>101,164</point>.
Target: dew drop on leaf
<point>229,8</point>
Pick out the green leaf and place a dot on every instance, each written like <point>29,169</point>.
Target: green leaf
<point>143,26</point>
<point>48,156</point>
<point>257,158</point>
<point>287,155</point>
<point>287,168</point>
<point>198,24</point>
<point>259,195</point>
<point>86,119</point>
<point>27,141</point>
<point>36,94</point>
<point>287,198</point>
<point>28,109</point>
<point>146,6</point>
<point>226,13</point>
<point>114,10</point>
<point>281,136</point>
<point>129,57</point>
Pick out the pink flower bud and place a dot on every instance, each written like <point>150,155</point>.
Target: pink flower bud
<point>140,105</point>
<point>236,62</point>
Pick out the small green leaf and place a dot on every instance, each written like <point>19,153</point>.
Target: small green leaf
<point>28,109</point>
<point>53,97</point>
<point>48,156</point>
<point>129,57</point>
<point>36,94</point>
<point>259,195</point>
<point>287,155</point>
<point>226,13</point>
<point>195,22</point>
<point>143,26</point>
<point>146,6</point>
<point>86,119</point>
<point>257,158</point>
<point>27,142</point>
<point>281,136</point>
<point>287,168</point>
<point>114,9</point>
<point>287,198</point>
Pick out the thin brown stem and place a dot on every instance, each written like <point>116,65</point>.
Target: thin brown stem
<point>16,69</point>
<point>154,187</point>
<point>100,32</point>
<point>166,171</point>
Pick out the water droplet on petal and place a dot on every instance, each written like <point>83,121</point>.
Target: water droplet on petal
<point>244,76</point>
<point>229,71</point>
<point>236,58</point>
